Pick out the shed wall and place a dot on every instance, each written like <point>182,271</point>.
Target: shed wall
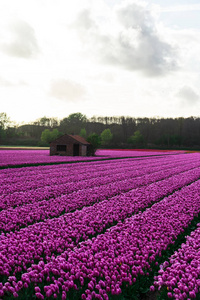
<point>68,142</point>
<point>84,150</point>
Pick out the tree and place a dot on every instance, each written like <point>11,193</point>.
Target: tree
<point>2,135</point>
<point>48,136</point>
<point>95,141</point>
<point>73,123</point>
<point>136,139</point>
<point>44,121</point>
<point>106,137</point>
<point>4,121</point>
<point>83,133</point>
<point>77,117</point>
<point>55,134</point>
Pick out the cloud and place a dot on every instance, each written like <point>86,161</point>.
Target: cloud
<point>21,41</point>
<point>188,96</point>
<point>8,83</point>
<point>147,54</point>
<point>84,20</point>
<point>67,90</point>
<point>5,83</point>
<point>137,16</point>
<point>134,43</point>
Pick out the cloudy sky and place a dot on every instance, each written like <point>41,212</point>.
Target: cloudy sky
<point>99,57</point>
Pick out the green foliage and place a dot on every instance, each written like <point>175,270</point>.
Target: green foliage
<point>4,120</point>
<point>2,135</point>
<point>83,133</point>
<point>106,137</point>
<point>73,123</point>
<point>48,136</point>
<point>55,134</point>
<point>47,122</point>
<point>44,121</point>
<point>169,140</point>
<point>95,141</point>
<point>77,117</point>
<point>136,139</point>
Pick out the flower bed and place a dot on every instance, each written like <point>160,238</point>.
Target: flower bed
<point>56,235</point>
<point>97,230</point>
<point>179,278</point>
<point>33,205</point>
<point>15,218</point>
<point>35,157</point>
<point>136,152</point>
<point>30,178</point>
<point>101,267</point>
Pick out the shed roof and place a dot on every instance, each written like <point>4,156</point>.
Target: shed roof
<point>77,138</point>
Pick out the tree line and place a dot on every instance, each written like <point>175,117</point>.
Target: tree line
<point>112,132</point>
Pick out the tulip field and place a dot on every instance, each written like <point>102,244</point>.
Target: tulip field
<point>122,226</point>
<point>38,157</point>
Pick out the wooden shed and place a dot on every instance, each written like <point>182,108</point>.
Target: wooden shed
<point>70,145</point>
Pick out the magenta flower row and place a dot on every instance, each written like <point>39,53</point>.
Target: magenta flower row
<point>181,275</point>
<point>57,189</point>
<point>100,189</point>
<point>23,157</point>
<point>135,152</point>
<point>23,179</point>
<point>16,157</point>
<point>37,174</point>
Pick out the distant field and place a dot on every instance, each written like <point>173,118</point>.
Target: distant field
<point>47,148</point>
<point>22,148</point>
<point>100,229</point>
<point>14,157</point>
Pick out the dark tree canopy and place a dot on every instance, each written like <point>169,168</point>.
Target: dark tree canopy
<point>95,141</point>
<point>154,132</point>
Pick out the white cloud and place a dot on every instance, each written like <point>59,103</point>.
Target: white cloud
<point>84,20</point>
<point>136,15</point>
<point>5,83</point>
<point>135,45</point>
<point>20,41</point>
<point>188,96</point>
<point>67,90</point>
